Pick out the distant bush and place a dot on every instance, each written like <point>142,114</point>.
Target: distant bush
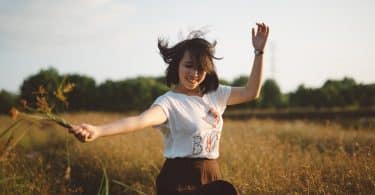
<point>7,100</point>
<point>139,93</point>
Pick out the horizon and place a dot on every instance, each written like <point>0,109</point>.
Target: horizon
<point>154,76</point>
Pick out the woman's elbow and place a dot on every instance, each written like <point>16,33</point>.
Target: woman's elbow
<point>253,96</point>
<point>252,93</point>
<point>257,95</point>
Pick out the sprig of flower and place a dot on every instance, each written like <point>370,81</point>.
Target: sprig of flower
<point>62,90</point>
<point>42,111</point>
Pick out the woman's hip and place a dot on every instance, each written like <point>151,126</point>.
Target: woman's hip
<point>181,174</point>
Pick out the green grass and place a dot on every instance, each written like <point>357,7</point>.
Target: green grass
<point>256,156</point>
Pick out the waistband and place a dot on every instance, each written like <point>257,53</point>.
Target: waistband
<point>189,159</point>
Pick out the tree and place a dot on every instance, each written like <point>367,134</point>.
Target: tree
<point>130,94</point>
<point>49,79</point>
<point>7,100</point>
<point>240,81</point>
<point>270,94</point>
<point>83,96</point>
<point>224,82</point>
<point>300,97</point>
<point>365,95</point>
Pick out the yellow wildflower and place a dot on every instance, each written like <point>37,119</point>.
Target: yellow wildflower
<point>68,87</point>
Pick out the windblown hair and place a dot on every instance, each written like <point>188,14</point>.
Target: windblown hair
<point>202,54</point>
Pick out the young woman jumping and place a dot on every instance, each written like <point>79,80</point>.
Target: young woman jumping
<point>189,115</point>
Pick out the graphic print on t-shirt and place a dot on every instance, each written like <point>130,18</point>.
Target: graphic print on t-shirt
<point>197,145</point>
<point>206,142</point>
<point>212,117</point>
<point>212,141</point>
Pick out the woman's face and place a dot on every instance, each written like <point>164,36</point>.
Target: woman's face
<point>189,77</point>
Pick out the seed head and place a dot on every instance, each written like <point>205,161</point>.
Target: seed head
<point>41,90</point>
<point>68,87</point>
<point>23,103</point>
<point>14,113</point>
<point>42,104</point>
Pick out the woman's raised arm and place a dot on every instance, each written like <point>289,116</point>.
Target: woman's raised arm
<point>151,117</point>
<point>252,89</point>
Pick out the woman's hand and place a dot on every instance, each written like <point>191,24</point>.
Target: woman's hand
<point>259,37</point>
<point>85,132</point>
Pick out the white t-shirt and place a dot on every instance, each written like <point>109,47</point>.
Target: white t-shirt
<point>191,131</point>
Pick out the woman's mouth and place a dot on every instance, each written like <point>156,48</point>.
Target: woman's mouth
<point>193,81</point>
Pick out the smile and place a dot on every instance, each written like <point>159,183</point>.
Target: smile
<point>193,80</point>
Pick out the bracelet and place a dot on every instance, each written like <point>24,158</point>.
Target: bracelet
<point>258,52</point>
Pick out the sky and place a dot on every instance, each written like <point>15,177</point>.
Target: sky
<point>309,42</point>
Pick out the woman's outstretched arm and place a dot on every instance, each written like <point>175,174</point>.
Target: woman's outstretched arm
<point>151,117</point>
<point>252,89</point>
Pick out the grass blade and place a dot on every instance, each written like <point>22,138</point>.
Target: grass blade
<point>10,144</point>
<point>104,189</point>
<point>13,125</point>
<point>8,179</point>
<point>127,187</point>
<point>101,185</point>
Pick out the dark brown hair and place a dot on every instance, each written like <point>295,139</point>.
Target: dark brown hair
<point>202,54</point>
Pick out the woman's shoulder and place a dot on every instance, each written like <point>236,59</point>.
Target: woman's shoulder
<point>221,90</point>
<point>164,95</point>
<point>168,96</point>
<point>220,96</point>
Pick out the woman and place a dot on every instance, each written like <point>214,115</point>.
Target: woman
<point>189,115</point>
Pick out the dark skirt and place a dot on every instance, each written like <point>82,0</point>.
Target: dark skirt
<point>188,176</point>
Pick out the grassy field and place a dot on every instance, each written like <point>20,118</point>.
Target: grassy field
<point>257,156</point>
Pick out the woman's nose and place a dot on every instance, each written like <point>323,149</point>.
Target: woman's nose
<point>194,72</point>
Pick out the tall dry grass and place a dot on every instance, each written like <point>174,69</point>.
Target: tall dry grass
<point>257,156</point>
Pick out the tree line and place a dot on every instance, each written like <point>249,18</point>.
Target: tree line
<point>139,93</point>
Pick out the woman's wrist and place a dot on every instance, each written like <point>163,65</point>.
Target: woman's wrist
<point>258,52</point>
<point>101,130</point>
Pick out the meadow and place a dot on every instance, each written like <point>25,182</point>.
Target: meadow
<point>257,156</point>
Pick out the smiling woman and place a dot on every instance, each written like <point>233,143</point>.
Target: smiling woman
<point>189,115</point>
<point>191,63</point>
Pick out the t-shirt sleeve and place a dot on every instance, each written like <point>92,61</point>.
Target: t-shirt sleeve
<point>222,95</point>
<point>163,102</point>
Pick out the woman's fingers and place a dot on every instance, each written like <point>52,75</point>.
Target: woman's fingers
<point>84,132</point>
<point>261,28</point>
<point>260,35</point>
<point>81,132</point>
<point>73,129</point>
<point>83,135</point>
<point>90,138</point>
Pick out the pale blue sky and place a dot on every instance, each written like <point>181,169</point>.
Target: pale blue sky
<point>310,41</point>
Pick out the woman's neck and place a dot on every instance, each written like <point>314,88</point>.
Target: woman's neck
<point>189,92</point>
